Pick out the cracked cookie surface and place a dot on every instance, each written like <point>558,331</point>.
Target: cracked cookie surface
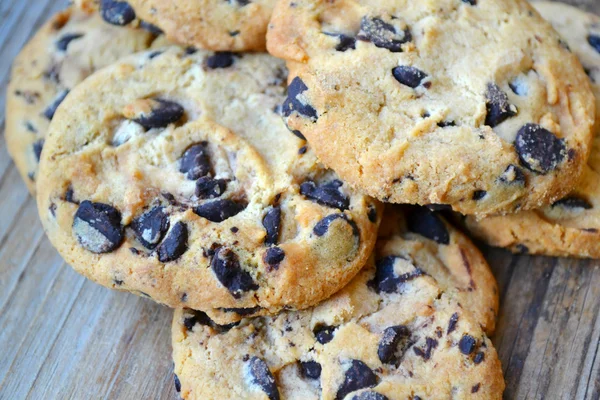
<point>171,174</point>
<point>404,328</point>
<point>219,25</point>
<point>68,48</point>
<point>571,225</point>
<point>437,102</point>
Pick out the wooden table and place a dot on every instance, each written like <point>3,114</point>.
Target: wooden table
<point>63,337</point>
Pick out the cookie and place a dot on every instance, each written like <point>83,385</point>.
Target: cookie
<point>172,174</point>
<point>571,225</point>
<point>392,333</point>
<point>68,48</point>
<point>437,102</point>
<point>234,25</point>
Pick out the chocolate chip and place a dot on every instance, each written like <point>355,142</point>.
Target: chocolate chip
<point>175,244</point>
<point>198,317</point>
<point>298,134</point>
<point>513,175</point>
<point>324,333</point>
<point>153,29</point>
<point>195,162</point>
<point>475,388</point>
<point>209,188</point>
<point>383,34</point>
<point>372,213</point>
<point>322,226</point>
<point>386,280</point>
<point>161,114</point>
<point>369,395</point>
<point>226,266</point>
<point>263,378</point>
<point>426,352</point>
<point>271,221</point>
<point>452,323</point>
<point>538,149</point>
<point>357,376</point>
<point>37,149</point>
<point>426,223</point>
<point>310,369</point>
<point>51,109</point>
<point>302,150</point>
<point>471,2</point>
<point>328,194</point>
<point>479,194</point>
<point>594,41</point>
<point>219,210</point>
<point>274,256</point>
<point>293,103</point>
<point>345,42</point>
<point>394,342</point>
<point>573,202</point>
<point>467,344</point>
<point>479,357</point>
<point>243,311</point>
<point>116,12</point>
<point>65,40</point>
<point>98,227</point>
<point>218,60</point>
<point>150,227</point>
<point>498,107</point>
<point>409,76</point>
<point>177,383</point>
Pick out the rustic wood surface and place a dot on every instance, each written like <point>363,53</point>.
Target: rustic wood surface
<point>63,337</point>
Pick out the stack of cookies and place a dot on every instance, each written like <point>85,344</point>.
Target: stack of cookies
<point>294,206</point>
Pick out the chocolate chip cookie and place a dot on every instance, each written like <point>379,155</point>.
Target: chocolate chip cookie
<point>171,174</point>
<point>220,25</point>
<point>474,104</point>
<point>68,48</point>
<point>571,225</point>
<point>392,333</point>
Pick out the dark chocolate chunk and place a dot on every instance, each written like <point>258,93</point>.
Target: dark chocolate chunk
<point>226,266</point>
<point>372,213</point>
<point>594,41</point>
<point>209,188</point>
<point>479,357</point>
<point>498,107</point>
<point>345,42</point>
<point>298,134</point>
<point>243,311</point>
<point>271,221</point>
<point>162,113</point>
<point>51,109</point>
<point>479,194</point>
<point>98,227</point>
<point>175,244</point>
<point>218,60</point>
<point>177,383</point>
<point>409,76</point>
<point>427,223</point>
<point>573,202</point>
<point>153,29</point>
<point>471,2</point>
<point>357,376</point>
<point>452,323</point>
<point>383,34</point>
<point>513,175</point>
<point>386,280</point>
<point>475,388</point>
<point>467,344</point>
<point>37,148</point>
<point>310,369</point>
<point>274,256</point>
<point>302,150</point>
<point>195,162</point>
<point>150,227</point>
<point>198,317</point>
<point>394,342</point>
<point>369,395</point>
<point>538,149</point>
<point>324,333</point>
<point>328,194</point>
<point>116,12</point>
<point>322,226</point>
<point>426,351</point>
<point>219,210</point>
<point>263,378</point>
<point>66,39</point>
<point>292,103</point>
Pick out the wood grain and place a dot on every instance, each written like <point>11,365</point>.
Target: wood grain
<point>62,337</point>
